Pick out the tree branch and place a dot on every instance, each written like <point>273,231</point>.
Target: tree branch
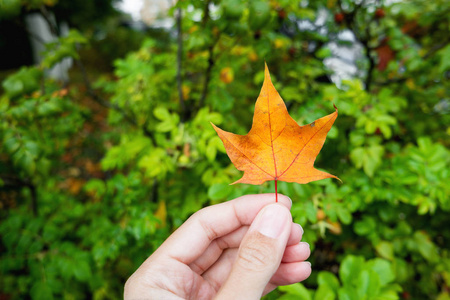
<point>206,13</point>
<point>211,60</point>
<point>90,91</point>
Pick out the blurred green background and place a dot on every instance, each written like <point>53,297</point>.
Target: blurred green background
<point>106,145</point>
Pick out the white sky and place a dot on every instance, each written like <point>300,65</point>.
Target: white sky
<point>131,7</point>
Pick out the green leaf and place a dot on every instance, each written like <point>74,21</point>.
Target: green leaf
<point>25,81</point>
<point>13,86</point>
<point>297,290</point>
<point>27,163</point>
<point>324,52</point>
<point>161,113</point>
<point>365,227</point>
<point>389,292</point>
<point>348,293</point>
<point>82,271</point>
<point>367,284</point>
<point>96,185</point>
<point>219,191</point>
<point>426,248</point>
<point>344,215</point>
<point>41,291</point>
<point>328,279</point>
<point>233,9</point>
<point>11,145</point>
<point>357,156</point>
<point>383,268</point>
<point>211,151</point>
<point>9,8</point>
<point>385,250</point>
<point>445,61</point>
<point>165,126</point>
<point>350,268</point>
<point>324,293</point>
<point>259,14</point>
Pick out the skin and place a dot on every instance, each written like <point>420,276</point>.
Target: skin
<point>240,249</point>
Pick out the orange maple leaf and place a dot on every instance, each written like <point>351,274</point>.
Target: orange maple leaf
<point>277,148</point>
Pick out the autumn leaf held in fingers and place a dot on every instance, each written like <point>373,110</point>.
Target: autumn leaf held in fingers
<point>277,148</point>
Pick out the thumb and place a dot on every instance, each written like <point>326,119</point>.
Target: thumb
<point>259,254</point>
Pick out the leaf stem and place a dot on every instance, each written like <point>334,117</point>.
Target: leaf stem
<point>276,191</point>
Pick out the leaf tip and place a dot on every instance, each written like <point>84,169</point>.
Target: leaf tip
<point>217,129</point>
<point>267,78</point>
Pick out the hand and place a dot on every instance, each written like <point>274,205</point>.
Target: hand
<point>240,249</point>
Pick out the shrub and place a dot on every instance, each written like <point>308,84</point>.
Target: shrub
<point>87,196</point>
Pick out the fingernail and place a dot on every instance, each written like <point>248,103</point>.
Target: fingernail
<point>289,199</point>
<point>301,228</point>
<point>271,221</point>
<point>286,197</point>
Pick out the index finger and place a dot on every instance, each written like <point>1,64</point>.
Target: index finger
<point>189,241</point>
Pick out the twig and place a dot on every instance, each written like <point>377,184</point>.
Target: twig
<point>43,85</point>
<point>207,75</point>
<point>391,81</point>
<point>364,41</point>
<point>155,195</point>
<point>53,26</point>
<point>34,201</point>
<point>17,182</point>
<point>436,48</point>
<point>183,112</point>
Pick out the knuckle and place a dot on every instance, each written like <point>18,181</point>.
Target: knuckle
<point>256,256</point>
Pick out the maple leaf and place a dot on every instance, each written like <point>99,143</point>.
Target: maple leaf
<point>277,148</point>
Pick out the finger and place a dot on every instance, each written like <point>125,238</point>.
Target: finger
<point>289,273</point>
<point>233,240</point>
<point>216,248</point>
<point>296,253</point>
<point>219,271</point>
<point>259,254</point>
<point>298,272</point>
<point>296,234</point>
<point>189,241</point>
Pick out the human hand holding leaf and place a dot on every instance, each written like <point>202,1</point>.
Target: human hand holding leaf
<point>277,148</point>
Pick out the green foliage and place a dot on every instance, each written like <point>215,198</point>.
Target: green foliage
<point>359,279</point>
<point>64,47</point>
<point>88,191</point>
